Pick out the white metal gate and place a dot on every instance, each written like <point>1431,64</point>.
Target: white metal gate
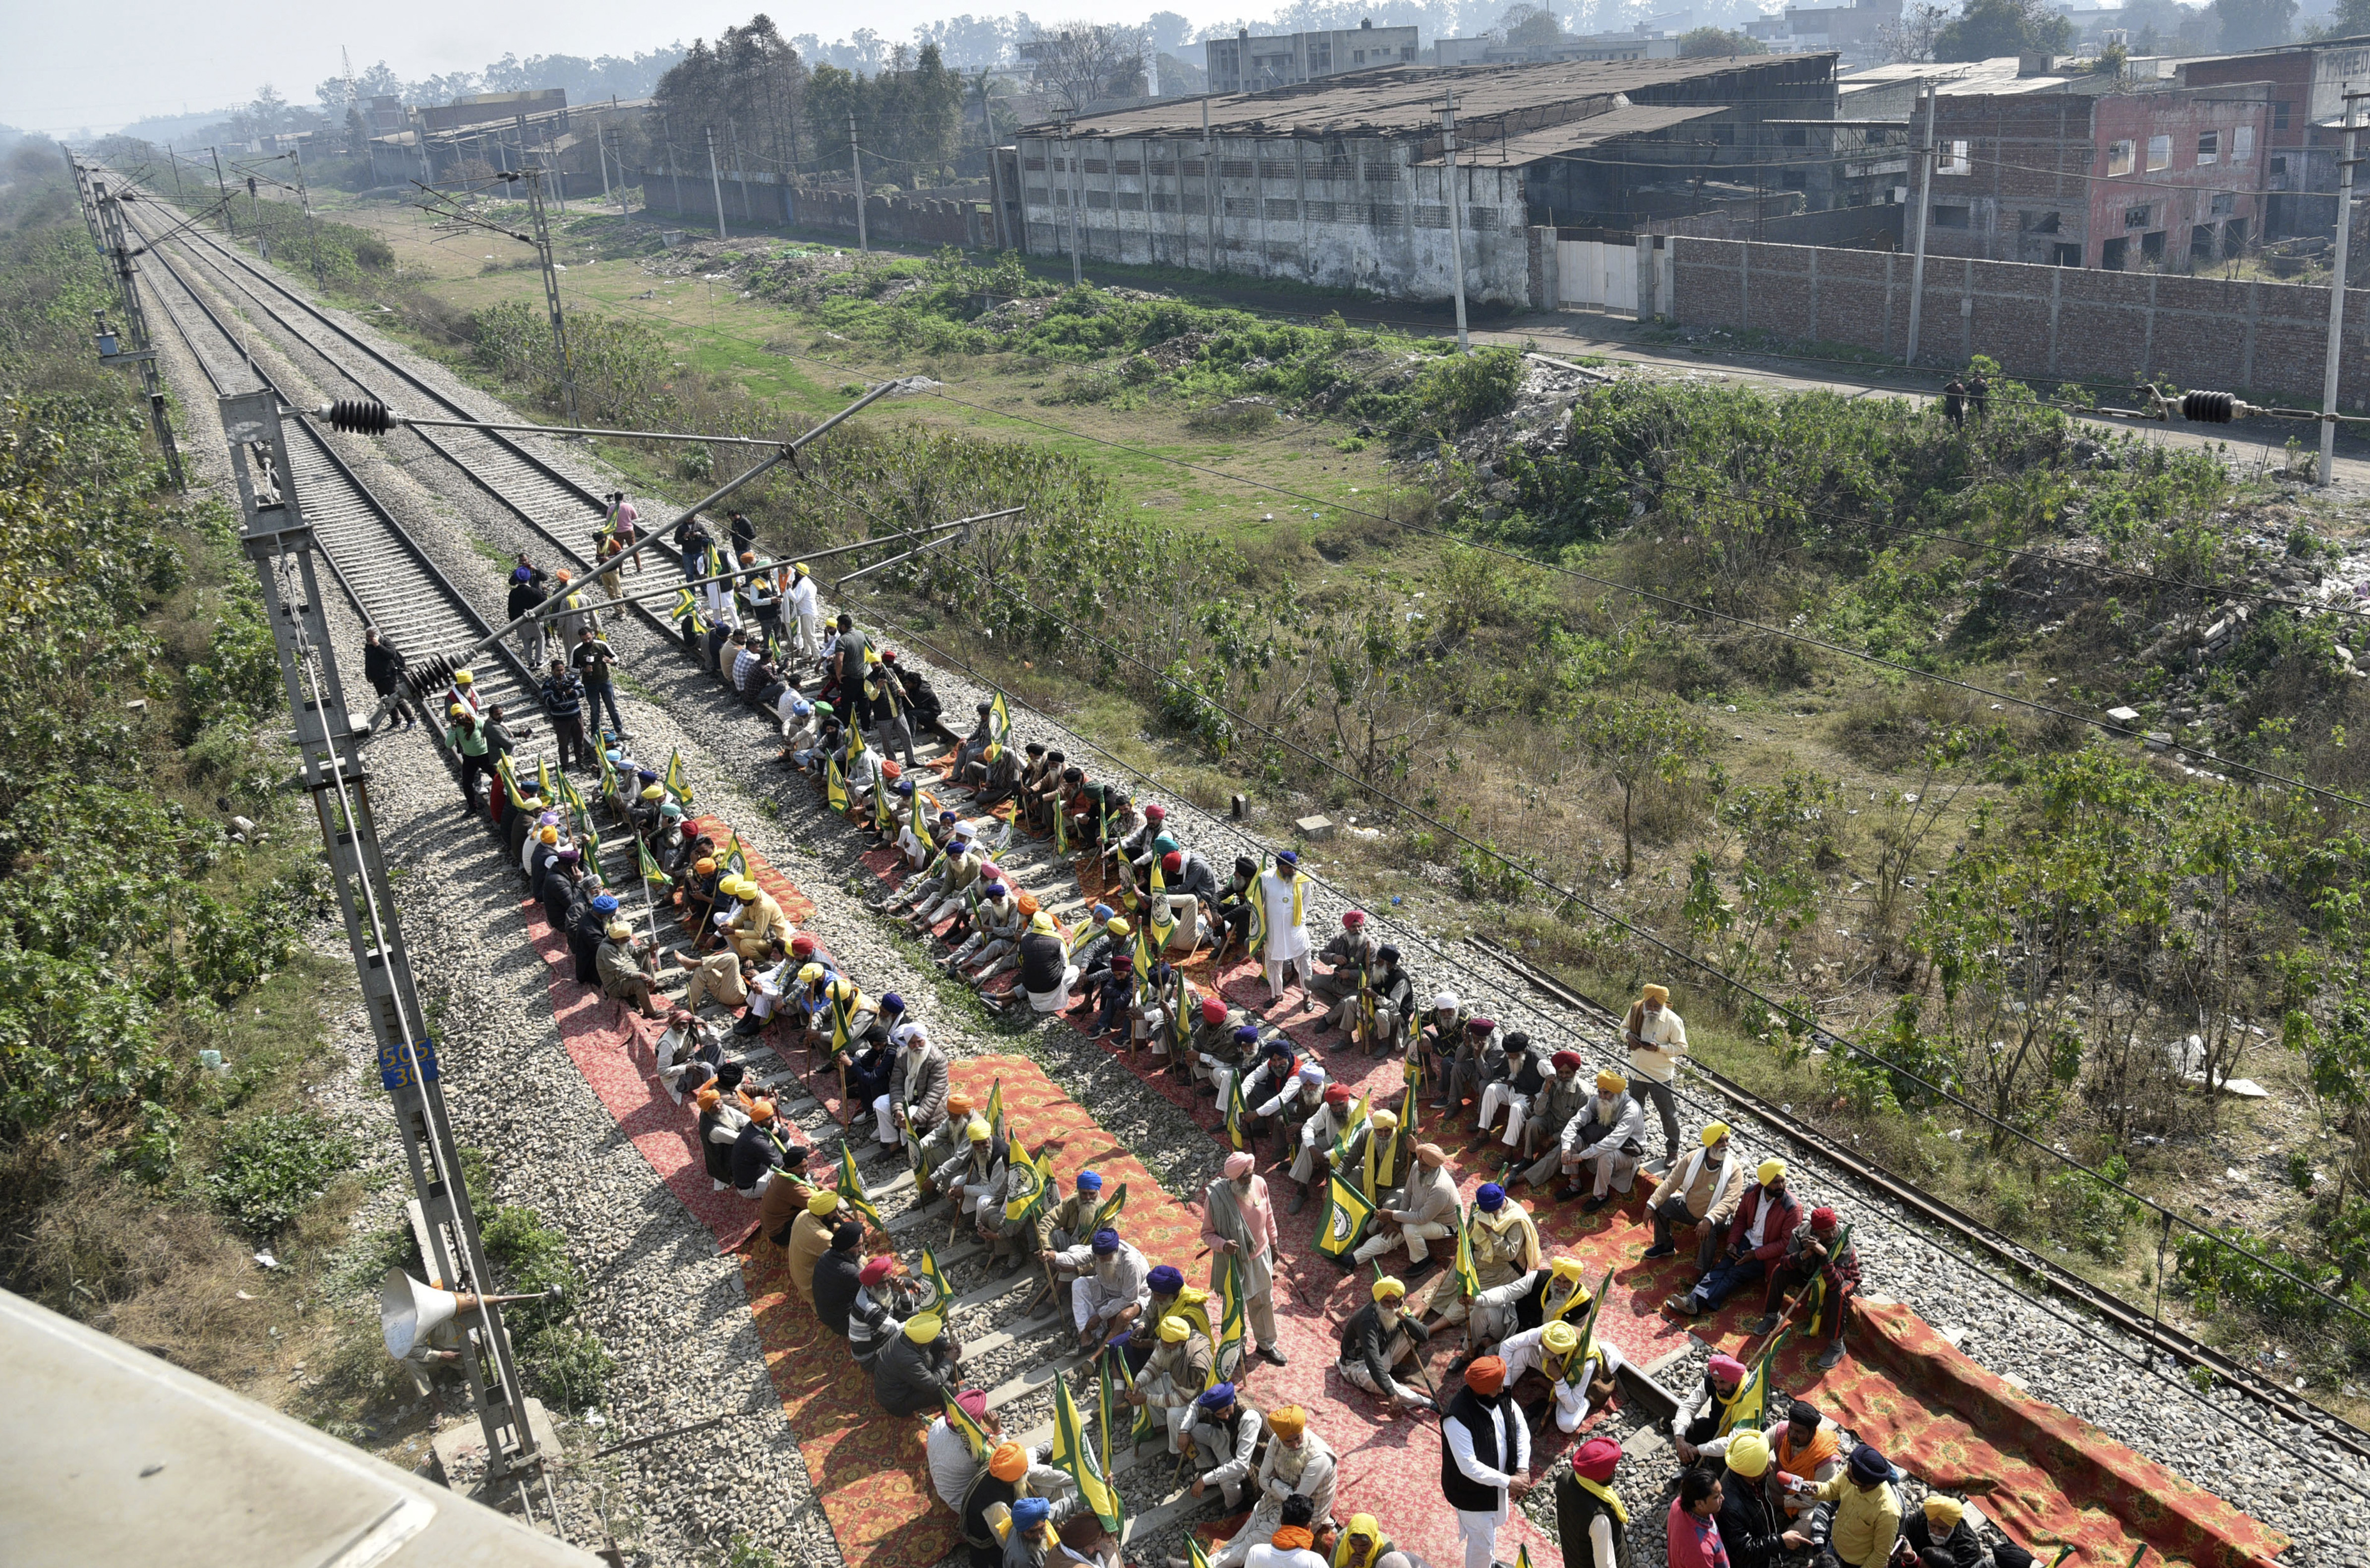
<point>1597,275</point>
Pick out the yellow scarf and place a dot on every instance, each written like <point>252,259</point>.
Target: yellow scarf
<point>1603,1494</point>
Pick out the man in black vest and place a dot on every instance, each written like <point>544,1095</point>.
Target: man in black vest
<point>1485,1459</point>
<point>1590,1519</point>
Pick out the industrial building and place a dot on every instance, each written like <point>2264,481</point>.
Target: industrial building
<point>1348,184</point>
<point>1246,64</point>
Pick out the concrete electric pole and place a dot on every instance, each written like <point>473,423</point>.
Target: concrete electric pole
<point>1456,215</point>
<point>1924,188</point>
<point>2337,298</point>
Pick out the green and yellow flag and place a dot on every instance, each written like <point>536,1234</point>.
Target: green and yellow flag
<point>854,740</point>
<point>734,860</point>
<point>1469,1278</point>
<point>934,1278</point>
<point>851,1189</point>
<point>1110,1210</point>
<point>884,822</point>
<point>1194,1556</point>
<point>608,776</point>
<point>1075,1456</point>
<point>1061,831</point>
<point>1236,1110</point>
<point>1347,1214</point>
<point>1030,1182</point>
<point>1000,720</point>
<point>542,779</point>
<point>835,785</point>
<point>974,1433</point>
<point>1181,1022</point>
<point>649,868</point>
<point>994,1111</point>
<point>918,820</point>
<point>677,785</point>
<point>1231,1321</point>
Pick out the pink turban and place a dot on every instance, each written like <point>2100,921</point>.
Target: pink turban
<point>1239,1163</point>
<point>1727,1369</point>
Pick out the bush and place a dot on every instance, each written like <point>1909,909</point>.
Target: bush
<point>1239,417</point>
<point>271,1166</point>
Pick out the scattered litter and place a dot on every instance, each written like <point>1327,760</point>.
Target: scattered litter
<point>594,1419</point>
<point>267,1260</point>
<point>244,1296</point>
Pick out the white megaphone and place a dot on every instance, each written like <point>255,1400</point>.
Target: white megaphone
<point>408,1312</point>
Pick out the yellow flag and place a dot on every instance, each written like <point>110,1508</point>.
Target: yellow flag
<point>835,787</point>
<point>851,1189</point>
<point>1075,1456</point>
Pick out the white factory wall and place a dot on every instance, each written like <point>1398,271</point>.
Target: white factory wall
<point>1334,214</point>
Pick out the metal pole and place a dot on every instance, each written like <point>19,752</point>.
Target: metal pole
<point>1925,211</point>
<point>855,172</point>
<point>230,219</point>
<point>135,322</point>
<point>174,159</point>
<point>715,181</point>
<point>312,223</point>
<point>1070,158</point>
<point>674,174</point>
<point>551,291</point>
<point>1210,197</point>
<point>1456,216</point>
<point>601,146</point>
<point>279,539</point>
<point>2336,299</point>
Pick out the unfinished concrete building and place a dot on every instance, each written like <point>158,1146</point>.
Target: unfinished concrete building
<point>1346,183</point>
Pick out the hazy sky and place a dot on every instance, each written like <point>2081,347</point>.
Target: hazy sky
<point>65,67</point>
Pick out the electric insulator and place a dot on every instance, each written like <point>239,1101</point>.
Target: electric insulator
<point>2208,408</point>
<point>361,416</point>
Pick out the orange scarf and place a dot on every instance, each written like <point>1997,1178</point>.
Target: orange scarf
<point>1822,1447</point>
<point>1292,1538</point>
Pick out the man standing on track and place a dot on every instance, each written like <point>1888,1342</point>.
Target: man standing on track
<point>1657,1042</point>
<point>807,607</point>
<point>383,667</point>
<point>563,705</point>
<point>1239,1224</point>
<point>594,659</point>
<point>528,587</point>
<point>1485,1459</point>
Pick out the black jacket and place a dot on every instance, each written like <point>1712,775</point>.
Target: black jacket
<point>382,666</point>
<point>716,1157</point>
<point>909,1378</point>
<point>1482,1419</point>
<point>1749,1527</point>
<point>1364,1341</point>
<point>754,1154</point>
<point>1966,1548</point>
<point>524,596</point>
<point>835,1284</point>
<point>1041,964</point>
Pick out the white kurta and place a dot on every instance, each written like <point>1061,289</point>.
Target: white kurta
<point>1285,941</point>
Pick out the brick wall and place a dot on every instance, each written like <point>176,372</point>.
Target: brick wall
<point>2046,324</point>
<point>763,198</point>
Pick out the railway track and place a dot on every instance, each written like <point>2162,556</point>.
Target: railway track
<point>384,574</point>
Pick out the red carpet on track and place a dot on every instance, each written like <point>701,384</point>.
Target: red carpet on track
<point>2048,1478</point>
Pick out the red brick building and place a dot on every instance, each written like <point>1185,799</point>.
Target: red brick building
<point>2307,83</point>
<point>2160,179</point>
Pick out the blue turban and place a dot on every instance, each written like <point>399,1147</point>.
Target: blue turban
<point>1166,1280</point>
<point>606,903</point>
<point>524,573</point>
<point>1287,857</point>
<point>1246,1033</point>
<point>1491,1198</point>
<point>904,786</point>
<point>1028,1513</point>
<point>1868,1466</point>
<point>1275,1047</point>
<point>1217,1398</point>
<point>893,1003</point>
<point>1104,911</point>
<point>1106,1241</point>
<point>1089,1182</point>
<point>647,775</point>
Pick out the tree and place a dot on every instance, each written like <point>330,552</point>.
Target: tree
<point>2253,24</point>
<point>2350,19</point>
<point>1078,63</point>
<point>1987,28</point>
<point>748,87</point>
<point>1634,740</point>
<point>1910,40</point>
<point>1529,27</point>
<point>1713,43</point>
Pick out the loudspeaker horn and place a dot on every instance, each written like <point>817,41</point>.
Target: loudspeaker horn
<point>408,1312</point>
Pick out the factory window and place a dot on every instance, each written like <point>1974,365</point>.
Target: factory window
<point>1099,199</point>
<point>1794,180</point>
<point>1481,220</point>
<point>1036,196</point>
<point>1282,208</point>
<point>2242,144</point>
<point>1793,136</point>
<point>1317,211</point>
<point>1164,202</point>
<point>1382,174</point>
<point>2067,256</point>
<point>2113,253</point>
<point>2159,153</point>
<point>1951,217</point>
<point>1955,161</point>
<point>2209,148</point>
<point>1385,215</point>
<point>2137,217</point>
<point>2040,223</point>
<point>2225,203</point>
<point>1358,57</point>
<point>1242,207</point>
<point>1428,216</point>
<point>2279,168</point>
<point>1199,206</point>
<point>2279,116</point>
<point>2118,158</point>
<point>1236,168</point>
<point>1130,166</point>
<point>1164,171</point>
<point>2152,246</point>
<point>1278,168</point>
<point>1033,164</point>
<point>1098,165</point>
<point>1128,201</point>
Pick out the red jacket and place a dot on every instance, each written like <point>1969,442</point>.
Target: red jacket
<point>1783,1218</point>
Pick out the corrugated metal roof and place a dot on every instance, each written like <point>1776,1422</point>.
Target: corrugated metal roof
<point>1625,120</point>
<point>1407,99</point>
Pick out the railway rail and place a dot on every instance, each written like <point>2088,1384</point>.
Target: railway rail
<point>391,582</point>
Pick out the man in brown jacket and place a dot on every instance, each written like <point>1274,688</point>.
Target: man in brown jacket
<point>1702,1190</point>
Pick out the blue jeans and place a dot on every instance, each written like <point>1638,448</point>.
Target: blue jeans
<point>606,692</point>
<point>1726,1280</point>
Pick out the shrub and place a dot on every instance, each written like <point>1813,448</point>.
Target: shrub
<point>270,1166</point>
<point>1239,417</point>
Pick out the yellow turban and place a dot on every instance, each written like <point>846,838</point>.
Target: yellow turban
<point>1173,1330</point>
<point>1611,1082</point>
<point>1659,995</point>
<point>1771,1170</point>
<point>1565,1267</point>
<point>1561,1337</point>
<point>1387,1120</point>
<point>822,1203</point>
<point>1288,1422</point>
<point>1945,1512</point>
<point>1748,1455</point>
<point>1713,1132</point>
<point>1389,1289</point>
<point>977,1132</point>
<point>922,1328</point>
